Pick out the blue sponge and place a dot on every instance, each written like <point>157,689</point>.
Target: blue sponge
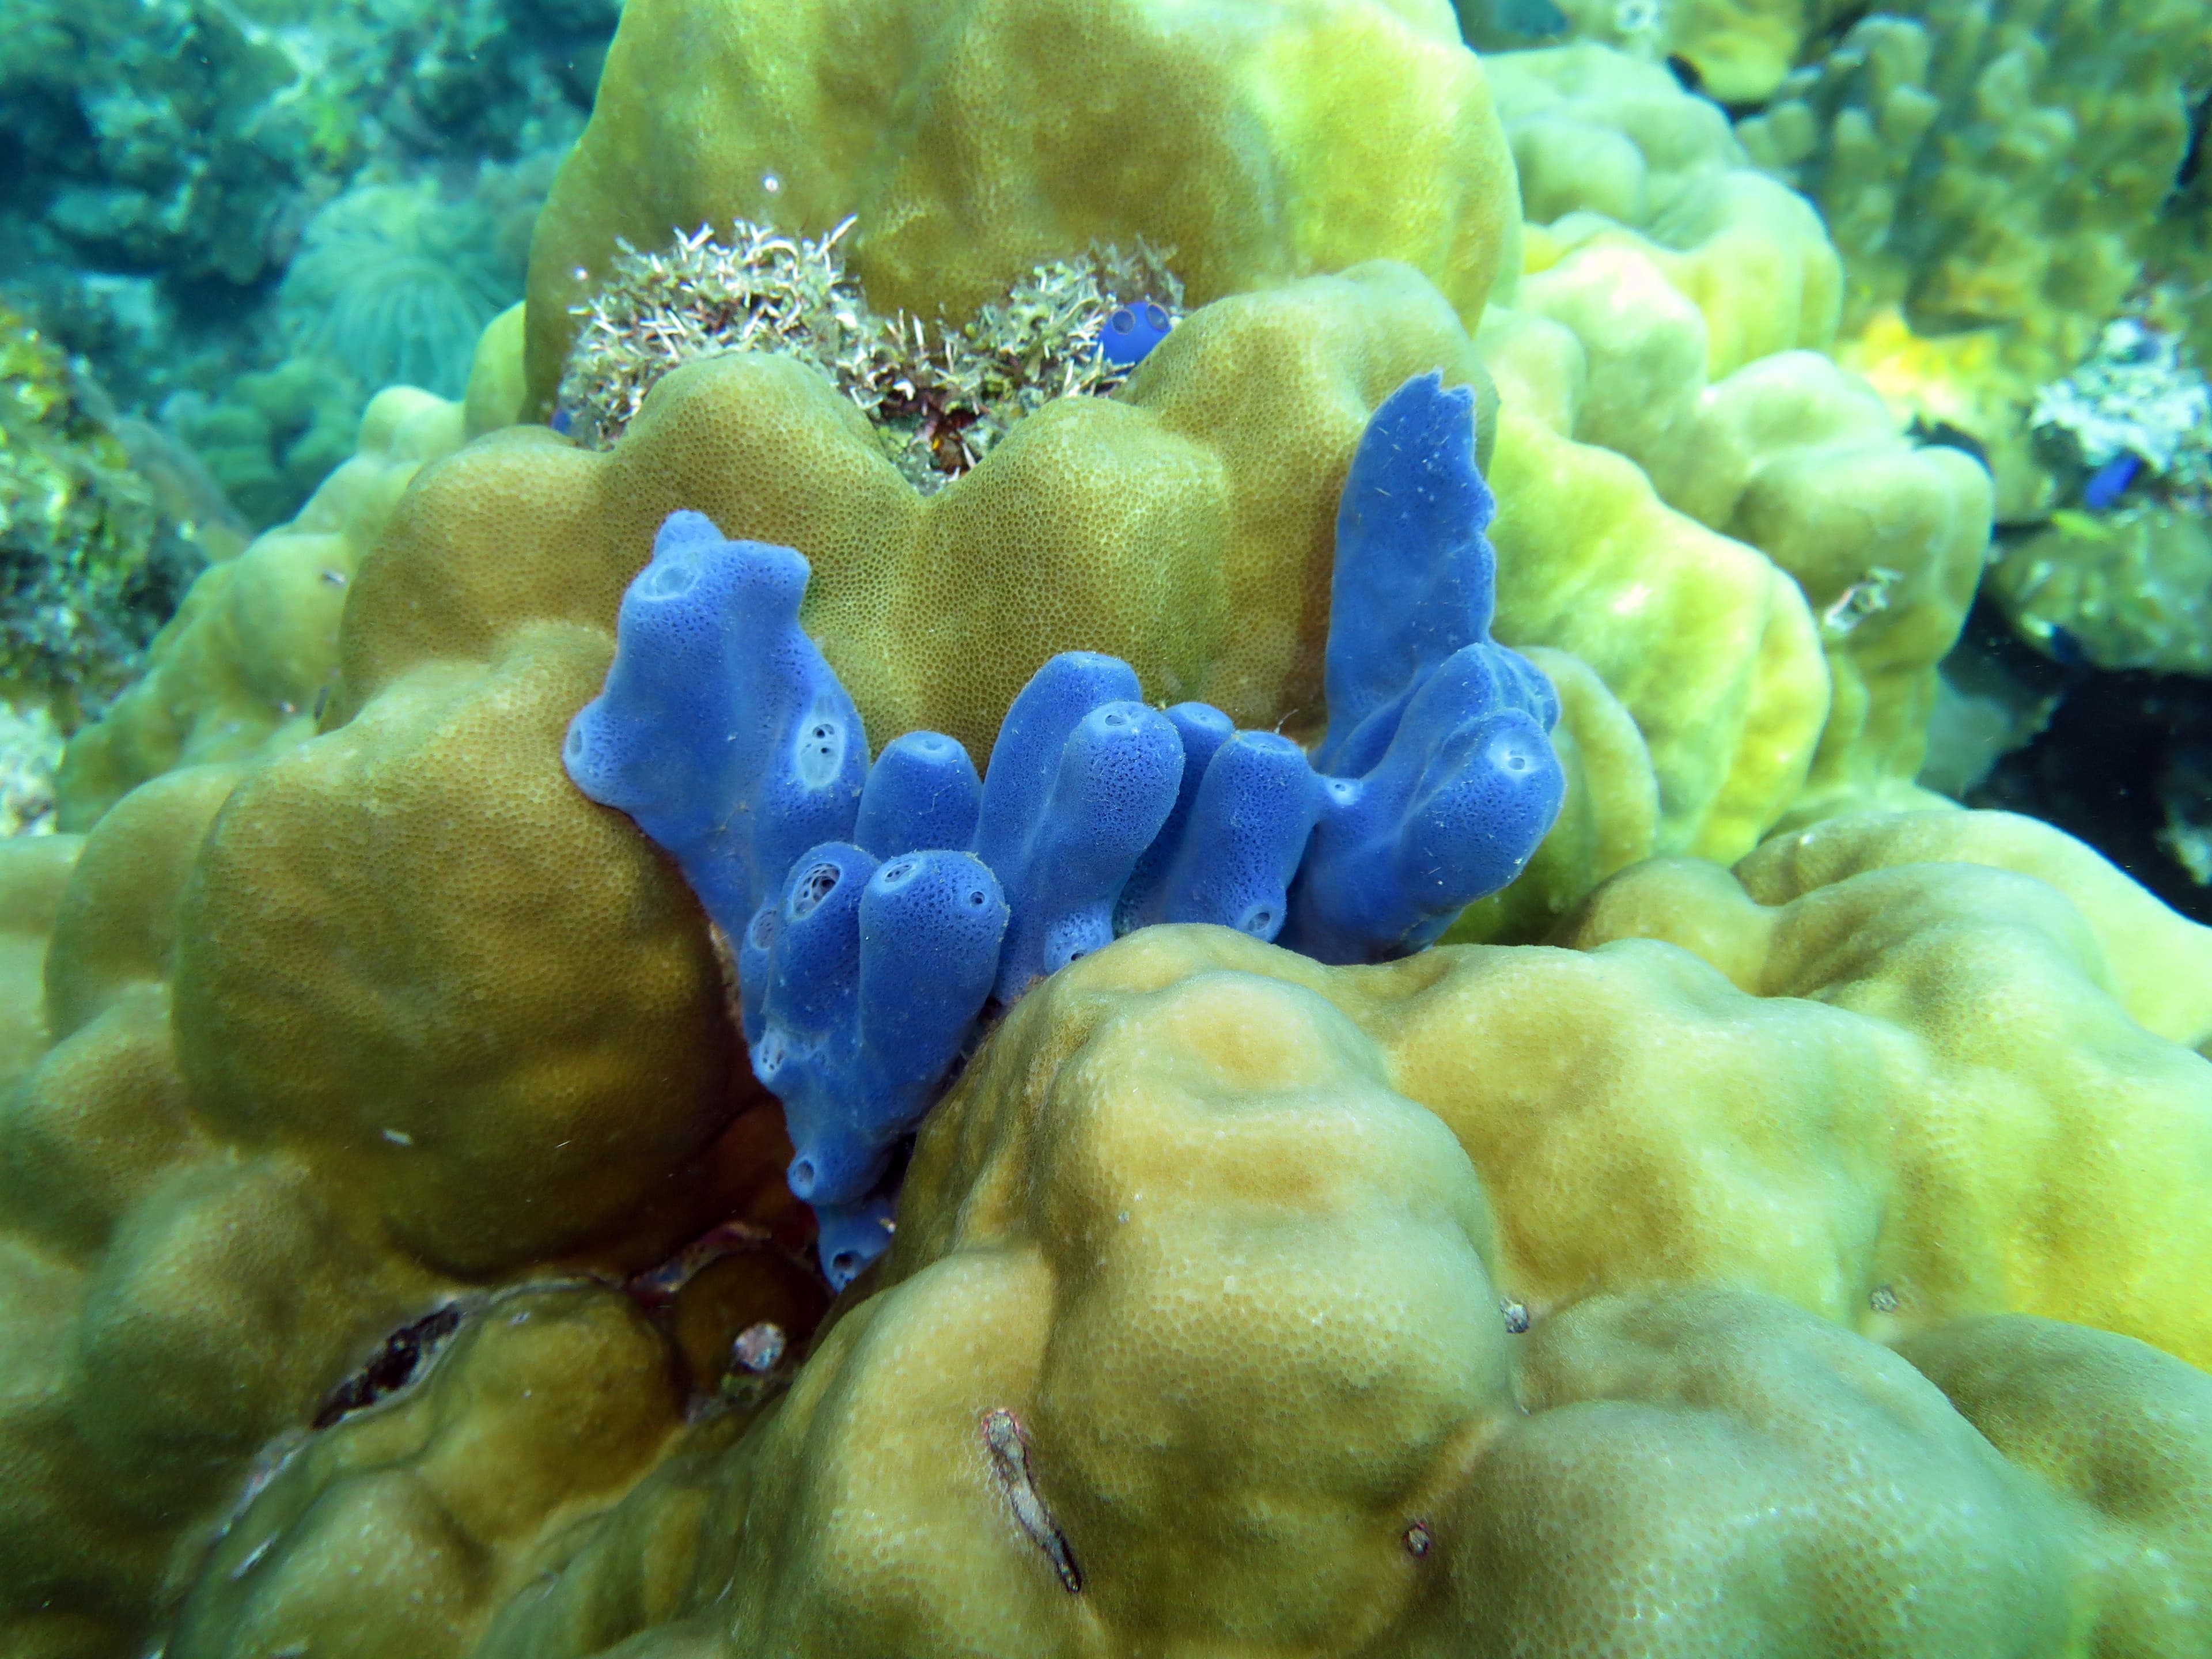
<point>1131,331</point>
<point>1229,846</point>
<point>1450,811</point>
<point>860,985</point>
<point>853,1235</point>
<point>1440,778</point>
<point>878,910</point>
<point>921,792</point>
<point>1081,778</point>
<point>721,730</point>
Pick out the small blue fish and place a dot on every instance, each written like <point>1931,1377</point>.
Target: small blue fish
<point>2110,482</point>
<point>2064,648</point>
<point>562,421</point>
<point>1132,332</point>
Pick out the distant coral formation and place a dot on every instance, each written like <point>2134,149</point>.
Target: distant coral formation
<point>169,161</point>
<point>1996,173</point>
<point>1737,51</point>
<point>92,559</point>
<point>395,282</point>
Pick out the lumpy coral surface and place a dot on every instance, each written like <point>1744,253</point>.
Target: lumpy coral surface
<point>1801,1251</point>
<point>1218,1239</point>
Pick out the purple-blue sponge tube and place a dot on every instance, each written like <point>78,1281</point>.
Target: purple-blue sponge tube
<point>878,910</point>
<point>859,986</point>
<point>721,729</point>
<point>1438,777</point>
<point>1082,776</point>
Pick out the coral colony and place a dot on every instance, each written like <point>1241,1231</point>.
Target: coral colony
<point>513,942</point>
<point>882,911</point>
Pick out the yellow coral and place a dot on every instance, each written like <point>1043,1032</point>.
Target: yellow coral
<point>1671,1456</point>
<point>551,1400</point>
<point>1262,142</point>
<point>1186,524</point>
<point>1737,49</point>
<point>1993,172</point>
<point>1187,527</point>
<point>1191,1332</point>
<point>1612,153</point>
<point>279,1117</point>
<point>1878,544</point>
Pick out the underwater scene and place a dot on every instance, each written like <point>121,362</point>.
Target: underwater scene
<point>1105,829</point>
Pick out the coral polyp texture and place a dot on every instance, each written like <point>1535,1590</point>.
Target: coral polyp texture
<point>725,736</point>
<point>1191,1330</point>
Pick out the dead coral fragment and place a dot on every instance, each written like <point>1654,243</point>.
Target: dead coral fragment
<point>1010,1461</point>
<point>941,396</point>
